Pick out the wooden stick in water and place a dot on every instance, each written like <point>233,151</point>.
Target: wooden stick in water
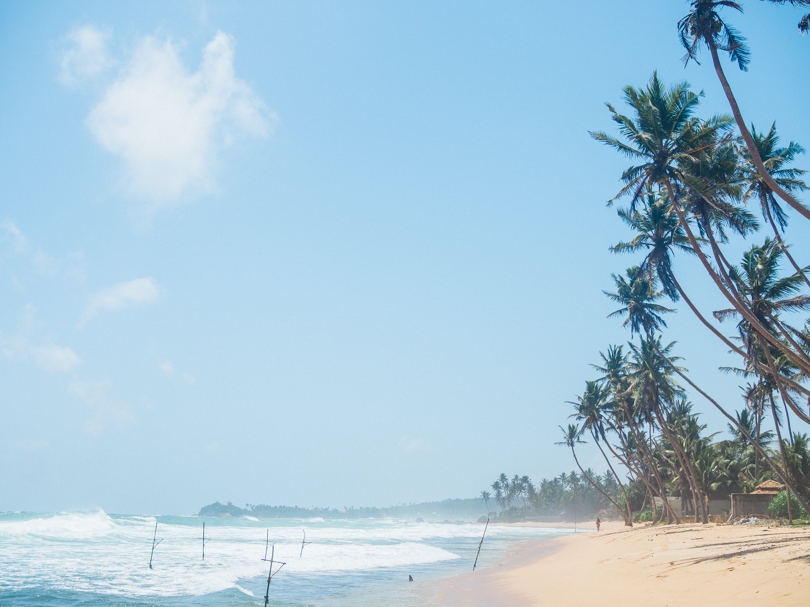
<point>304,542</point>
<point>480,544</point>
<point>204,542</point>
<point>155,542</point>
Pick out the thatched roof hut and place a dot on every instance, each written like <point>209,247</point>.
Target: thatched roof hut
<point>768,488</point>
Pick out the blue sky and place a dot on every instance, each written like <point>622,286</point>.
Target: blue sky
<point>323,253</point>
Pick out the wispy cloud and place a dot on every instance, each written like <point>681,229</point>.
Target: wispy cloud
<point>45,354</point>
<point>106,411</point>
<point>48,357</point>
<point>86,55</point>
<point>412,444</point>
<point>14,243</point>
<point>123,295</point>
<point>169,126</point>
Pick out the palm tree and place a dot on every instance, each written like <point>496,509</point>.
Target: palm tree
<point>767,295</point>
<point>659,233</point>
<point>571,438</point>
<point>635,454</point>
<point>775,160</point>
<point>669,143</point>
<point>589,412</point>
<point>703,25</point>
<point>655,389</point>
<point>637,295</point>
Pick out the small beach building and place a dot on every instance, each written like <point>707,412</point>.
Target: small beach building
<point>755,503</point>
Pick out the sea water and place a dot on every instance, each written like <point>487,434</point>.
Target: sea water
<point>92,558</point>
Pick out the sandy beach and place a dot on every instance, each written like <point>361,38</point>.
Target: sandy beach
<point>667,566</point>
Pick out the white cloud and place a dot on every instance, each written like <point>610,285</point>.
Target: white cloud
<point>25,345</point>
<point>412,445</point>
<point>122,295</point>
<point>167,367</point>
<point>55,358</point>
<point>13,236</point>
<point>86,55</point>
<point>169,126</point>
<point>48,356</point>
<point>15,244</point>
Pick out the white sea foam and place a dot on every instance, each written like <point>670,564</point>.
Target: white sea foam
<point>94,552</point>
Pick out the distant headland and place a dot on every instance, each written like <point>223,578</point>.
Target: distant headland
<point>452,509</point>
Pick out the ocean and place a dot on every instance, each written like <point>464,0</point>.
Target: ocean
<point>93,558</point>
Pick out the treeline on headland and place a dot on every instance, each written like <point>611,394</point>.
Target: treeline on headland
<point>696,188</point>
<point>450,509</point>
<point>567,497</point>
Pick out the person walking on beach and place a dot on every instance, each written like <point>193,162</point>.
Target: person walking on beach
<point>598,523</point>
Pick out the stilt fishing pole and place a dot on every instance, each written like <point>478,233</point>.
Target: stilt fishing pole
<point>204,542</point>
<point>271,574</point>
<point>155,542</point>
<point>480,544</point>
<point>304,542</point>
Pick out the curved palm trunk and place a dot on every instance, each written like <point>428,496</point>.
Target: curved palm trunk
<point>591,481</point>
<point>728,292</point>
<point>660,490</point>
<point>782,452</point>
<point>782,245</point>
<point>782,474</point>
<point>734,348</point>
<point>627,514</point>
<point>782,391</point>
<point>686,464</point>
<point>749,140</point>
<point>761,329</point>
<point>637,471</point>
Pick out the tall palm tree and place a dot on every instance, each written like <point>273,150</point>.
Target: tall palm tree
<point>590,413</point>
<point>635,454</point>
<point>703,25</point>
<point>571,438</point>
<point>659,233</point>
<point>767,295</point>
<point>655,388</point>
<point>637,295</point>
<point>776,160</point>
<point>665,138</point>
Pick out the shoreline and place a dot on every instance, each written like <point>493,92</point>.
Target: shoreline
<point>667,566</point>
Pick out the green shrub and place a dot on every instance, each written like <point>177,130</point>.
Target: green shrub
<point>778,507</point>
<point>647,515</point>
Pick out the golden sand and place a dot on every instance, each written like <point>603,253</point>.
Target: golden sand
<point>687,565</point>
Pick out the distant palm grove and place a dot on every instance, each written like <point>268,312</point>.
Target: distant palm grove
<point>695,187</point>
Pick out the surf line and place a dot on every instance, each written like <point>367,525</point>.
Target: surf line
<point>204,542</point>
<point>155,542</point>
<point>480,544</point>
<point>271,574</point>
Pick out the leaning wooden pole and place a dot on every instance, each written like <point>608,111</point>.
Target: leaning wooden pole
<point>155,542</point>
<point>480,544</point>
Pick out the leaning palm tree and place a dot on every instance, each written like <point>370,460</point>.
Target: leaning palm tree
<point>768,296</point>
<point>655,388</point>
<point>775,159</point>
<point>590,412</point>
<point>704,26</point>
<point>637,295</point>
<point>571,438</point>
<point>667,141</point>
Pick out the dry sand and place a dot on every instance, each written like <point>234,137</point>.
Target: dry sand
<point>684,565</point>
